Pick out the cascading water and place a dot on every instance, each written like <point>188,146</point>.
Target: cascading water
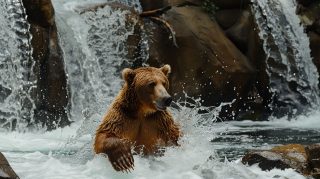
<point>16,79</point>
<point>94,45</point>
<point>293,75</point>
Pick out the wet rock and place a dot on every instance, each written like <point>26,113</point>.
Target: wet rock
<point>231,4</point>
<point>304,160</point>
<point>310,16</point>
<point>205,63</point>
<point>305,2</point>
<point>294,155</point>
<point>256,54</point>
<point>227,17</point>
<point>313,156</point>
<point>52,90</point>
<point>148,5</point>
<point>6,172</point>
<point>244,33</point>
<point>315,48</point>
<point>239,32</point>
<point>316,175</point>
<point>266,160</point>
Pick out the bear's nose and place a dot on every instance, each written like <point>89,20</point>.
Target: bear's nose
<point>167,100</point>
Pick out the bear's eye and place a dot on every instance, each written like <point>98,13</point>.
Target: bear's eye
<point>152,84</point>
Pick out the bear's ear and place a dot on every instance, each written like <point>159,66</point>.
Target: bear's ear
<point>128,75</point>
<point>166,69</point>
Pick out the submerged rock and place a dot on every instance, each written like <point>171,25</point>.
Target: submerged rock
<point>51,95</point>
<point>304,159</point>
<point>6,172</point>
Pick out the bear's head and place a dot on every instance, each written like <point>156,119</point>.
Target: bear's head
<point>150,86</point>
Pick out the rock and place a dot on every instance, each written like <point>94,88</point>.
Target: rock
<point>51,95</point>
<point>294,155</point>
<point>310,16</point>
<point>239,32</point>
<point>304,159</point>
<point>316,175</point>
<point>179,2</point>
<point>305,2</point>
<point>282,157</point>
<point>5,169</point>
<point>266,160</point>
<point>206,63</point>
<point>315,48</point>
<point>256,54</point>
<point>226,17</point>
<point>148,5</point>
<point>313,156</point>
<point>231,4</point>
<point>244,33</point>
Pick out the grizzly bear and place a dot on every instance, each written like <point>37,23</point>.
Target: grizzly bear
<point>138,118</point>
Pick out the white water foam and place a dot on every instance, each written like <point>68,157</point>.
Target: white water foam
<point>33,156</point>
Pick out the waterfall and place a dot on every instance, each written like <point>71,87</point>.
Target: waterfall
<point>293,76</point>
<point>94,46</point>
<point>16,79</point>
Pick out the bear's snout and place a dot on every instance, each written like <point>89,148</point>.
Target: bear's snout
<point>164,102</point>
<point>167,101</point>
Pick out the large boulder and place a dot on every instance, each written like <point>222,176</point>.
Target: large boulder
<point>51,95</point>
<point>304,159</point>
<point>148,5</point>
<point>205,63</point>
<point>231,4</point>
<point>227,17</point>
<point>6,172</point>
<point>239,32</point>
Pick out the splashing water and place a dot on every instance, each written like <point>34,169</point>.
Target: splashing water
<point>196,157</point>
<point>16,79</point>
<point>293,75</point>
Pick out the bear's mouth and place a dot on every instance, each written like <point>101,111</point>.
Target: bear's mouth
<point>160,107</point>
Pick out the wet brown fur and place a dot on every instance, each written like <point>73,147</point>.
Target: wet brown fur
<point>135,120</point>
